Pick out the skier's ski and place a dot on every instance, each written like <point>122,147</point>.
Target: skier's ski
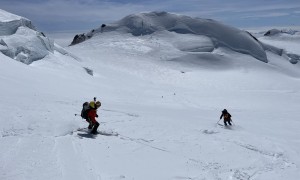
<point>225,127</point>
<point>88,132</point>
<point>108,133</point>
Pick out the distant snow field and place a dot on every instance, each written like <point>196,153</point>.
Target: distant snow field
<point>162,94</point>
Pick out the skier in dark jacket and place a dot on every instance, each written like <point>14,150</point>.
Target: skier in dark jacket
<point>227,117</point>
<point>91,116</point>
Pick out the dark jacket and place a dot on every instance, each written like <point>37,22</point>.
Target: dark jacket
<point>226,116</point>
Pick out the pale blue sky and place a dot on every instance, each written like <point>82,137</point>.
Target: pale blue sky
<point>83,15</point>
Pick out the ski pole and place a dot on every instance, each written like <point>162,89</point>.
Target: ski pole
<point>232,121</point>
<point>218,121</point>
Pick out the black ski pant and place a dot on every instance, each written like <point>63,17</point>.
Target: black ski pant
<point>90,123</point>
<point>227,121</point>
<point>95,127</point>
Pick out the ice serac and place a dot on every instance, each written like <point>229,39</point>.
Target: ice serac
<point>9,23</point>
<point>221,35</point>
<point>20,40</point>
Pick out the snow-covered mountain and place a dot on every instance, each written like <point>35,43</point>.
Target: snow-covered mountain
<point>216,33</point>
<point>162,95</point>
<point>219,34</point>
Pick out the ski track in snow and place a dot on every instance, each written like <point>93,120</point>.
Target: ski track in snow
<point>116,111</point>
<point>69,147</point>
<point>276,161</point>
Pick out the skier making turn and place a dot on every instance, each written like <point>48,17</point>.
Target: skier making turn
<point>227,117</point>
<point>91,116</point>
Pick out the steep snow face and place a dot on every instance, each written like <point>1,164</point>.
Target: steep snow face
<point>221,35</point>
<point>20,41</point>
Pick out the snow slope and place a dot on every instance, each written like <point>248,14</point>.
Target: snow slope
<point>159,103</point>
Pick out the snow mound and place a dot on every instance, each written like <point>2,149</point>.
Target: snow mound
<point>148,23</point>
<point>20,40</point>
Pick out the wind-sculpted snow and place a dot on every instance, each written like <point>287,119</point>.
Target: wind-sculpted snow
<point>220,34</point>
<point>148,23</point>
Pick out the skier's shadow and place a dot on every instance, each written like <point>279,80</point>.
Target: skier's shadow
<point>86,135</point>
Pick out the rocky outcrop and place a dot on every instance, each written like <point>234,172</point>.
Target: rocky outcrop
<point>78,39</point>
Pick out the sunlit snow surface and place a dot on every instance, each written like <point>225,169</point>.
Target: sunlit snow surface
<point>160,104</point>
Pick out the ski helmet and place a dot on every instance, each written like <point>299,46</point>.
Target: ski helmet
<point>92,104</point>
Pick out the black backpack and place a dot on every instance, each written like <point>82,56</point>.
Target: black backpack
<point>227,116</point>
<point>85,110</point>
